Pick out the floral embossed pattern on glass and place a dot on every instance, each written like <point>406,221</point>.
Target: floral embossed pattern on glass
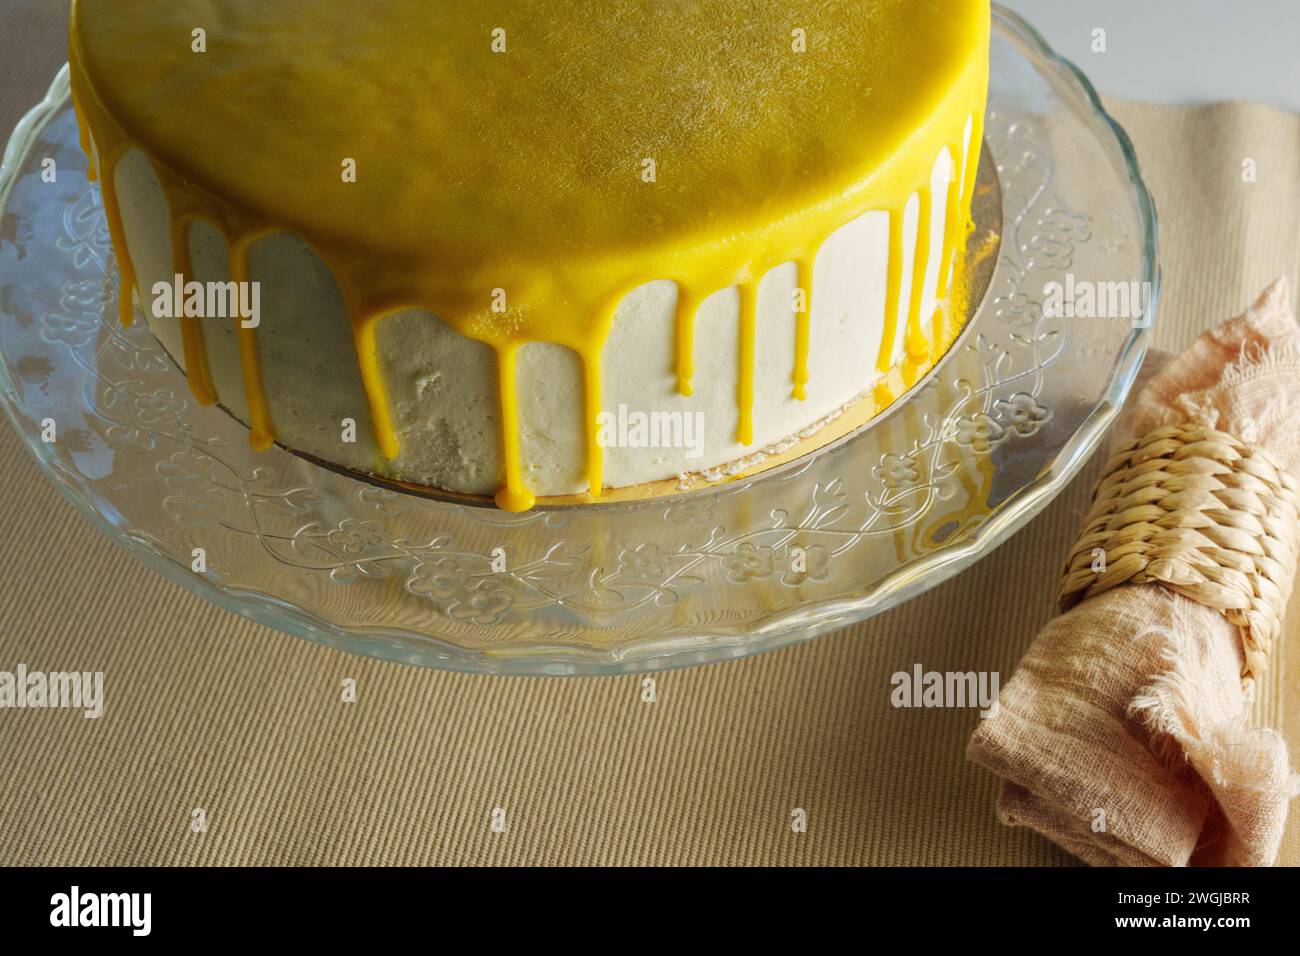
<point>945,475</point>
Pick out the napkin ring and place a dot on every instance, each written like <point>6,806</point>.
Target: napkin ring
<point>1202,513</point>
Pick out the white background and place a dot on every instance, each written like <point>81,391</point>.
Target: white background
<point>1179,51</point>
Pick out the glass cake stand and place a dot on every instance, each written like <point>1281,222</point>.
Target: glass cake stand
<point>995,432</point>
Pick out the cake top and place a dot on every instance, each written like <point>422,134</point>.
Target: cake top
<point>499,138</point>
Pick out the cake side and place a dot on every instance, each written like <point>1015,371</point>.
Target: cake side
<point>432,398</point>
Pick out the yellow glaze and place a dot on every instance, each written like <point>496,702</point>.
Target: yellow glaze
<point>561,151</point>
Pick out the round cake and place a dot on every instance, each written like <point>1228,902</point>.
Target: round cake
<point>536,247</point>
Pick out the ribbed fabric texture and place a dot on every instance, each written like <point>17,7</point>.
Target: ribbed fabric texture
<point>206,710</point>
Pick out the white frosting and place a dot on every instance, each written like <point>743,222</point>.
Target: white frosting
<point>443,387</point>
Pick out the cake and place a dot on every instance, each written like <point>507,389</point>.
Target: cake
<point>536,248</point>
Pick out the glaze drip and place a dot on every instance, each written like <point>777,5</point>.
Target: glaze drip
<point>515,496</point>
<point>893,290</point>
<point>802,326</point>
<point>196,358</point>
<point>687,306</point>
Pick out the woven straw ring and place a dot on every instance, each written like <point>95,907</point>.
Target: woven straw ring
<point>1206,515</point>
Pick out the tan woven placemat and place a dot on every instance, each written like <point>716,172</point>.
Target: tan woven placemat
<point>206,710</point>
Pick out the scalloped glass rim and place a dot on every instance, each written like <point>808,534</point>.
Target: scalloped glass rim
<point>698,645</point>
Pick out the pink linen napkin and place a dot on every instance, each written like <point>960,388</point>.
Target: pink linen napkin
<point>1124,734</point>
